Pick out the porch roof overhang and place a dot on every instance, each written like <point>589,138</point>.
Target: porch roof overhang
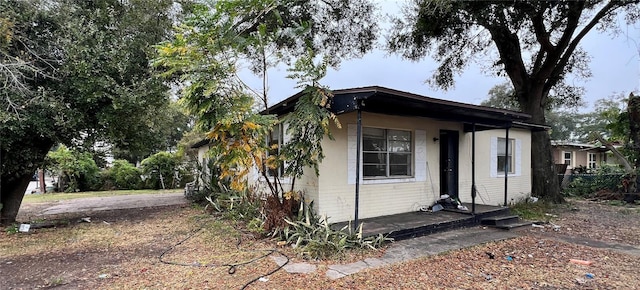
<point>387,101</point>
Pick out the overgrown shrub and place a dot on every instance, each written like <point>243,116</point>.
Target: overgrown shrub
<point>76,171</point>
<point>278,210</point>
<point>315,238</point>
<point>533,209</point>
<point>123,175</point>
<point>606,178</point>
<point>161,171</point>
<point>207,183</point>
<point>237,206</point>
<point>186,176</point>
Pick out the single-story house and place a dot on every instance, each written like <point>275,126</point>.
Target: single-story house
<point>581,155</point>
<point>398,152</point>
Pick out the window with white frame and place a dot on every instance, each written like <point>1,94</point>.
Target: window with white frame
<point>505,156</point>
<point>275,141</point>
<point>592,160</point>
<point>386,153</point>
<point>567,157</point>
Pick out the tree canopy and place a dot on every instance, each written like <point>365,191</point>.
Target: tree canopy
<point>221,38</point>
<point>535,44</point>
<point>218,39</point>
<point>80,73</point>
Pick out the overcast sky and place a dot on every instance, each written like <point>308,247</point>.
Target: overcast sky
<point>615,65</point>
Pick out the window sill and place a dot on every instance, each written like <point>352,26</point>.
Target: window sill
<point>388,180</point>
<point>501,175</point>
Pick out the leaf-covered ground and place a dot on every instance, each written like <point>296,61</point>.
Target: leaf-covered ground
<point>170,248</point>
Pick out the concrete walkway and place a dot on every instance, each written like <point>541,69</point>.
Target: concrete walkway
<point>409,249</point>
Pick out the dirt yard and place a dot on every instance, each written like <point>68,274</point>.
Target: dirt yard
<point>184,247</point>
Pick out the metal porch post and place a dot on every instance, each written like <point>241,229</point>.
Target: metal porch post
<point>473,169</point>
<point>506,165</point>
<point>358,140</point>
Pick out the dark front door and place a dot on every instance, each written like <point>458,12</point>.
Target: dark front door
<point>449,163</point>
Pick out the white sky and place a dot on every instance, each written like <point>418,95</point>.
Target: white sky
<point>615,66</point>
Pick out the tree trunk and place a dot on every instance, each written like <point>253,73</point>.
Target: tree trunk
<point>19,166</point>
<point>544,177</point>
<point>12,193</point>
<point>41,181</point>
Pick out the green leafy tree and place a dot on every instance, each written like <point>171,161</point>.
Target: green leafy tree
<point>502,96</point>
<point>260,34</point>
<point>159,128</point>
<point>309,122</point>
<point>565,125</point>
<point>563,122</point>
<point>86,78</point>
<point>218,39</point>
<point>608,118</point>
<point>122,175</point>
<point>161,170</point>
<point>17,70</point>
<point>626,127</point>
<point>533,43</point>
<point>76,171</point>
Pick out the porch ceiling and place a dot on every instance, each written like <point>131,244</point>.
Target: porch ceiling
<point>393,102</point>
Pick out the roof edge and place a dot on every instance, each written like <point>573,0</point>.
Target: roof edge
<point>378,89</point>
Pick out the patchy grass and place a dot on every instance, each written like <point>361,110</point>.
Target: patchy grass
<point>628,211</point>
<point>56,281</point>
<point>616,202</point>
<point>49,197</point>
<point>535,211</point>
<point>186,248</point>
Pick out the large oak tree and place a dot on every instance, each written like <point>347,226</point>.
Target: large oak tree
<point>533,43</point>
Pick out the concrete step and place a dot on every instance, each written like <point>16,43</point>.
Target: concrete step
<point>499,220</point>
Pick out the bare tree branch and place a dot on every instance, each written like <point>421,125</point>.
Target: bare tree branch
<point>559,67</point>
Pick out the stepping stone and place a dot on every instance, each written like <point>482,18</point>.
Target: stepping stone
<point>297,268</point>
<point>339,271</point>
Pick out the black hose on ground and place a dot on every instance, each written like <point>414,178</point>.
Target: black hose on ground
<point>232,267</point>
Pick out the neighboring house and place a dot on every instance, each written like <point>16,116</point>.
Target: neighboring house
<point>202,146</point>
<point>203,159</point>
<point>413,149</point>
<point>104,148</point>
<point>580,155</point>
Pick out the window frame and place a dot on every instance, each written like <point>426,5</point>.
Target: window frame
<point>564,157</point>
<point>280,140</point>
<point>592,164</point>
<point>388,153</point>
<point>511,154</point>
